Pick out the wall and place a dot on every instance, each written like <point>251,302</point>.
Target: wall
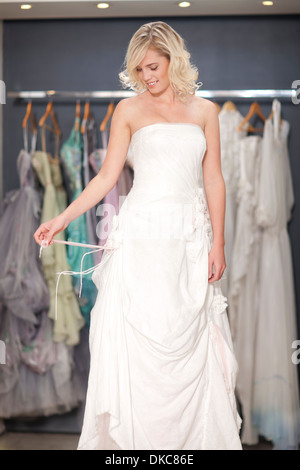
<point>230,52</point>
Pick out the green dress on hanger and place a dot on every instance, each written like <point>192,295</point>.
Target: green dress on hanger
<point>71,156</point>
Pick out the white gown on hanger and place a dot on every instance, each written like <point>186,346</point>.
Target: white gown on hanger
<point>229,120</point>
<point>244,283</point>
<point>276,391</point>
<point>162,372</point>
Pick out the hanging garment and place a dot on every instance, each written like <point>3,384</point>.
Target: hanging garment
<point>43,372</point>
<point>162,372</point>
<point>125,181</point>
<point>276,391</point>
<point>18,296</point>
<point>21,206</point>
<point>71,157</point>
<point>36,378</point>
<point>244,283</point>
<point>229,120</point>
<point>109,206</point>
<point>129,158</point>
<point>69,322</point>
<point>89,146</point>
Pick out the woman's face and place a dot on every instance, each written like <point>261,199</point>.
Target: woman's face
<point>153,71</point>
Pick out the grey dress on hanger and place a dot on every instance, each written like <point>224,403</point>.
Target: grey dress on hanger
<point>37,377</point>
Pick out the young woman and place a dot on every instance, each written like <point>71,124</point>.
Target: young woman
<point>162,373</point>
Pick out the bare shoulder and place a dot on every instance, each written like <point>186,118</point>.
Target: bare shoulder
<point>132,103</point>
<point>133,111</point>
<point>204,110</point>
<point>208,110</point>
<point>122,108</point>
<point>127,108</point>
<point>205,105</point>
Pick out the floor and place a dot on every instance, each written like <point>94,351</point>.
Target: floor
<point>28,441</point>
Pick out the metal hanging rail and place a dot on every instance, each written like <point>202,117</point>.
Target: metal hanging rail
<point>111,95</point>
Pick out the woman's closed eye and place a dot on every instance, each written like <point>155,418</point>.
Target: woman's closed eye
<point>155,68</point>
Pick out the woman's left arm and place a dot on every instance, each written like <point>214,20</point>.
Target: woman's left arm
<point>215,191</point>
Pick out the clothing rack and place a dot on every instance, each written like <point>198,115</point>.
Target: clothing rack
<point>119,94</point>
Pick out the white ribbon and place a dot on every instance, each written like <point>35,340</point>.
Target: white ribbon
<point>87,271</point>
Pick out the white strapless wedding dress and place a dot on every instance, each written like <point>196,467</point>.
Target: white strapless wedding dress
<point>163,372</point>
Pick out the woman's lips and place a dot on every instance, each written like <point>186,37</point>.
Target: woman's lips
<point>152,84</point>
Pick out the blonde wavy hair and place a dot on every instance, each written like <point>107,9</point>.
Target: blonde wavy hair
<point>168,43</point>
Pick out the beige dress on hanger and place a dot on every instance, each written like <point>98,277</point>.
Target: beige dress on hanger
<point>69,320</point>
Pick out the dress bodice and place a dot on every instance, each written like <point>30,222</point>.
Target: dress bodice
<point>167,158</point>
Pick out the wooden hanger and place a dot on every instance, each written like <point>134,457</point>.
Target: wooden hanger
<point>86,115</point>
<point>56,131</point>
<point>77,114</point>
<point>229,106</point>
<point>42,123</point>
<point>109,113</point>
<point>254,109</point>
<point>29,115</point>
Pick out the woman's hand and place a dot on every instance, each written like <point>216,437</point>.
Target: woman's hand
<point>216,259</point>
<point>48,230</point>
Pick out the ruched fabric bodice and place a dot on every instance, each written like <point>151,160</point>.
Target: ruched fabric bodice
<point>167,158</point>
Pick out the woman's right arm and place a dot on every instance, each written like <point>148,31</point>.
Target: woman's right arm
<point>101,184</point>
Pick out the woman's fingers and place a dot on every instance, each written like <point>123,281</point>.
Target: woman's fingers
<point>42,233</point>
<point>210,270</point>
<point>217,274</point>
<point>48,230</point>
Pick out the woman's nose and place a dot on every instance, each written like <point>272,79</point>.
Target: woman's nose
<point>146,76</point>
